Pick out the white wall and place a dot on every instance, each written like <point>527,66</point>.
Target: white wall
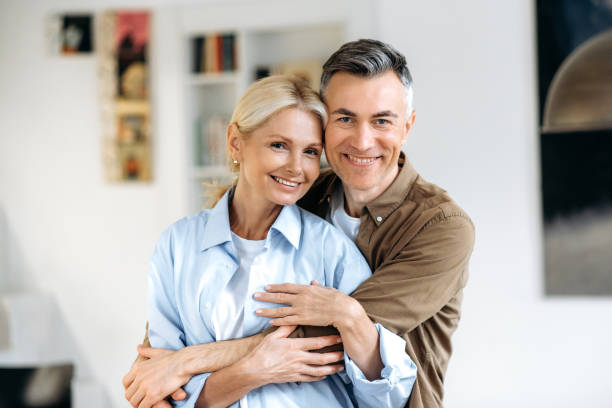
<point>474,63</point>
<point>88,242</point>
<point>70,233</point>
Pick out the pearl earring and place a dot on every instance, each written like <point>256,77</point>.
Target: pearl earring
<point>235,162</point>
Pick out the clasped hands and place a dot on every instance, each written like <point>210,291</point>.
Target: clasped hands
<point>159,373</point>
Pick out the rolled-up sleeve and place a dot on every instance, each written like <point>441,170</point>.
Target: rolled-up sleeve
<point>397,377</point>
<point>165,328</point>
<point>193,389</point>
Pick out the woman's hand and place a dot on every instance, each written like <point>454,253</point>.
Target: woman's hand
<point>156,374</point>
<point>312,305</point>
<point>278,359</point>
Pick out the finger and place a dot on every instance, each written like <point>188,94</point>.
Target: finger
<point>128,378</point>
<point>130,391</point>
<point>146,402</point>
<point>275,312</point>
<point>282,332</point>
<point>281,298</point>
<point>179,395</point>
<point>315,283</point>
<point>149,352</point>
<point>162,404</point>
<point>321,371</point>
<point>286,288</point>
<point>324,358</point>
<point>288,321</point>
<point>315,343</point>
<point>136,398</point>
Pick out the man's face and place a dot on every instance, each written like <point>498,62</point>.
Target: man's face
<point>366,129</point>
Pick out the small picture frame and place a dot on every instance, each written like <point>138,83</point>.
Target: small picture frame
<point>70,34</point>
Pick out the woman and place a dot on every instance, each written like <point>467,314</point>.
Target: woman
<point>207,267</point>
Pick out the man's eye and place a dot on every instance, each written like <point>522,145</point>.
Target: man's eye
<point>344,119</point>
<point>382,121</point>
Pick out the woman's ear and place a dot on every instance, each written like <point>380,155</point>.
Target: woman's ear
<point>232,140</point>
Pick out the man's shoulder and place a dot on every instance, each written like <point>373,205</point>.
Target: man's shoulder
<point>434,201</point>
<point>319,190</point>
<point>420,204</point>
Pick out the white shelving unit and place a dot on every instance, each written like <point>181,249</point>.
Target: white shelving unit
<point>212,96</point>
<point>291,34</point>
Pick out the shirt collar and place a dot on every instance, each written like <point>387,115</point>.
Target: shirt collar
<point>217,229</point>
<point>395,194</point>
<point>288,223</point>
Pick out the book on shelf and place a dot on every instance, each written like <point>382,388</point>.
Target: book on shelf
<point>214,53</point>
<point>209,140</point>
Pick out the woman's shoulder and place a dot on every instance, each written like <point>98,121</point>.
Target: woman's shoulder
<point>188,224</point>
<point>315,227</point>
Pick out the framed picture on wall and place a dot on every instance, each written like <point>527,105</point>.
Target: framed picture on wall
<point>124,79</point>
<point>70,34</point>
<point>575,95</point>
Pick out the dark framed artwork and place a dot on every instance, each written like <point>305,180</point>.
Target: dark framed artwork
<point>70,34</point>
<point>575,104</point>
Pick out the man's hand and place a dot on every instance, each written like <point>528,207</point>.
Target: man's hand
<point>312,305</point>
<point>156,374</point>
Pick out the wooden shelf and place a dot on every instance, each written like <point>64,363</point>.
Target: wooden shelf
<point>214,78</point>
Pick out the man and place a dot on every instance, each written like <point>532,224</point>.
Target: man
<point>416,240</point>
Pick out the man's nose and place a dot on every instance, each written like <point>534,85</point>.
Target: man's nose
<point>363,139</point>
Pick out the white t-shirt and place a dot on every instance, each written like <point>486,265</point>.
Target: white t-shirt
<point>228,316</point>
<point>339,217</point>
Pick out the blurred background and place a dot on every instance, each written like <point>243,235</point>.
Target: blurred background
<point>75,243</point>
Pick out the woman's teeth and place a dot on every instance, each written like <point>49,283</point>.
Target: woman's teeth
<point>285,182</point>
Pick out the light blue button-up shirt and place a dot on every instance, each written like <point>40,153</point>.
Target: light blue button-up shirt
<point>194,260</point>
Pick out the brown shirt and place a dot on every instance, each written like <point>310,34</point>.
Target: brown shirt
<point>418,242</point>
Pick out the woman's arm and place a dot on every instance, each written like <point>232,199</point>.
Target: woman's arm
<point>276,359</point>
<point>159,373</point>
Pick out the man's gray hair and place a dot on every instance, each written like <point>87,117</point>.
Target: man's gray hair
<point>368,58</point>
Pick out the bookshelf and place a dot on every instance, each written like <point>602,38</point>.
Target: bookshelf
<point>214,85</point>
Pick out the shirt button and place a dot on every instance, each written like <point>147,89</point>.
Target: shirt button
<point>207,305</point>
<point>379,218</point>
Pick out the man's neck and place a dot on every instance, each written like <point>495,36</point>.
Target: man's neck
<point>355,200</point>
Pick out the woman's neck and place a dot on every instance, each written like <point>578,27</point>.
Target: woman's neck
<point>251,215</point>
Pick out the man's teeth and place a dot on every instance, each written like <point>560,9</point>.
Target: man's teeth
<point>361,161</point>
<point>285,182</point>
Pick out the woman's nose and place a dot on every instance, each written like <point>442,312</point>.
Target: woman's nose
<point>294,166</point>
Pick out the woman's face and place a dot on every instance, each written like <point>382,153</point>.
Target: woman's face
<point>280,160</point>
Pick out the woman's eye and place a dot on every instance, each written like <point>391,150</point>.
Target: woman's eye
<point>313,152</point>
<point>277,145</point>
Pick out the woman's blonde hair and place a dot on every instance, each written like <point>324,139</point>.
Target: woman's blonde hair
<point>259,103</point>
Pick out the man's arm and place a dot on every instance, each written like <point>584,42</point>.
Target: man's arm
<point>208,357</point>
<point>407,290</point>
<point>425,275</point>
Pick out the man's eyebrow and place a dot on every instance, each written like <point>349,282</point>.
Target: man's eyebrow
<point>343,111</point>
<point>385,113</point>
